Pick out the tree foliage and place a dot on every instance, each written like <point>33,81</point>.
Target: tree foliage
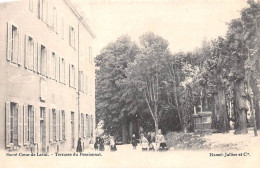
<point>147,80</point>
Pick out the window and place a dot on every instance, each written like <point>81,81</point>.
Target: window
<point>31,5</point>
<point>54,125</point>
<point>14,48</point>
<point>44,11</point>
<point>82,125</point>
<point>89,125</point>
<point>29,53</point>
<point>72,37</point>
<point>53,65</point>
<point>62,27</point>
<point>90,55</point>
<point>43,60</point>
<point>72,76</point>
<point>54,24</point>
<point>63,124</point>
<point>86,84</point>
<point>81,84</point>
<point>28,124</point>
<point>62,71</point>
<point>14,124</point>
<point>86,127</point>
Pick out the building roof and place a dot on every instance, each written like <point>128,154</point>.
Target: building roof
<point>80,18</point>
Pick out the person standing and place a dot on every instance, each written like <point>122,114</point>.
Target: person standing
<point>101,145</point>
<point>134,141</point>
<point>160,141</point>
<point>112,144</point>
<point>144,143</point>
<point>150,143</point>
<point>79,147</point>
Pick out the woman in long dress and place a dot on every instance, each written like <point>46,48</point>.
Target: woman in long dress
<point>79,147</point>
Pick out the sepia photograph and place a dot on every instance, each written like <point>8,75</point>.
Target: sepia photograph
<point>129,84</point>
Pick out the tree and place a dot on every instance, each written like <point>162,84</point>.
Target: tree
<point>111,65</point>
<point>146,73</point>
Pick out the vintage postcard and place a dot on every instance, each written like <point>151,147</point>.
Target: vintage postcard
<point>129,83</point>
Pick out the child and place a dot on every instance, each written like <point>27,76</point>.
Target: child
<point>112,144</point>
<point>144,143</point>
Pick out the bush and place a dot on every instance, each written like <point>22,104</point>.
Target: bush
<point>188,141</point>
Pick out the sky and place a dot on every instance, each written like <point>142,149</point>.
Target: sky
<point>184,23</point>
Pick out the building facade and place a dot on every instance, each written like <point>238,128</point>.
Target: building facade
<point>47,80</point>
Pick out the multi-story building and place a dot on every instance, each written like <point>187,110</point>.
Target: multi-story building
<point>47,79</point>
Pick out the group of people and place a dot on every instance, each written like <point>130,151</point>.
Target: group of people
<point>159,144</point>
<point>151,143</point>
<point>98,145</point>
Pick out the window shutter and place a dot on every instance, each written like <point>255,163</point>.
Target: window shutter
<point>64,72</point>
<point>60,69</point>
<point>20,124</point>
<point>50,125</point>
<point>7,124</point>
<point>83,81</point>
<point>35,55</point>
<point>9,41</point>
<point>70,36</point>
<point>88,122</point>
<point>39,58</point>
<point>36,125</point>
<point>57,68</point>
<point>26,51</point>
<point>48,59</point>
<point>21,48</point>
<point>65,125</point>
<point>85,126</point>
<point>60,125</point>
<point>57,125</point>
<point>50,14</point>
<point>25,124</point>
<point>69,74</point>
<point>40,9</point>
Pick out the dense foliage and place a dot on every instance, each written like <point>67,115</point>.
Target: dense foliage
<point>162,89</point>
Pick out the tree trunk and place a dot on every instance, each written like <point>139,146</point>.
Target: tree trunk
<point>223,125</point>
<point>241,126</point>
<point>214,112</point>
<point>255,89</point>
<point>257,111</point>
<point>124,131</point>
<point>156,126</point>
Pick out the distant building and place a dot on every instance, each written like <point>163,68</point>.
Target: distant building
<point>47,79</point>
